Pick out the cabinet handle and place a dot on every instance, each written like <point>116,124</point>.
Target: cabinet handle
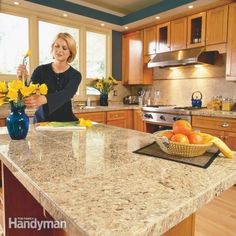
<point>226,137</point>
<point>225,125</point>
<point>222,137</point>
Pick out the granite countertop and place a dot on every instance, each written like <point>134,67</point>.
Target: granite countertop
<point>4,110</point>
<point>93,180</point>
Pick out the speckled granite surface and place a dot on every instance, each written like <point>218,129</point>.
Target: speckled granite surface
<point>4,110</point>
<point>91,179</point>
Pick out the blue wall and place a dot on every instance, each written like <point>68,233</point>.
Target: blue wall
<point>117,55</point>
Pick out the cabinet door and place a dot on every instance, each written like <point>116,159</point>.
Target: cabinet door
<point>196,30</point>
<point>99,117</point>
<point>122,118</point>
<point>230,140</point>
<point>231,45</point>
<point>132,58</point>
<point>2,122</point>
<point>163,38</point>
<point>134,70</point>
<point>216,30</point>
<point>149,40</point>
<point>178,36</point>
<point>139,124</point>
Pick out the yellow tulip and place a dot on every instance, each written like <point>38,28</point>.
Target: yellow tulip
<point>3,87</point>
<point>26,91</point>
<point>28,53</point>
<point>12,94</point>
<point>43,89</point>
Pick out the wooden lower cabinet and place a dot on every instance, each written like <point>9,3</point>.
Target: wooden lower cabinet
<point>119,118</point>
<point>122,118</point>
<point>224,128</point>
<point>99,117</point>
<point>139,124</point>
<point>2,122</point>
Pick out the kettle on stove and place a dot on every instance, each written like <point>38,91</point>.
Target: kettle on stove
<point>197,99</point>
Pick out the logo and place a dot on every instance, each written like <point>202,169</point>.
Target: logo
<point>34,223</point>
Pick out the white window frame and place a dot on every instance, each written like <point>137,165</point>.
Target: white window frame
<point>34,17</point>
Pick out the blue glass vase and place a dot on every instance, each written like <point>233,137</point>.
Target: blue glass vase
<point>17,121</point>
<point>104,100</point>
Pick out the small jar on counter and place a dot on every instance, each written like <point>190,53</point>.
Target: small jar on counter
<point>227,104</point>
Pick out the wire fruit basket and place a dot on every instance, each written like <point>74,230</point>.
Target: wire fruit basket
<point>180,149</point>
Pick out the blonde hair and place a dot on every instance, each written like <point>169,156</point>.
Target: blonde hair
<point>70,43</point>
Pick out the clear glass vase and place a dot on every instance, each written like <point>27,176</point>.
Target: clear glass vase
<point>17,122</point>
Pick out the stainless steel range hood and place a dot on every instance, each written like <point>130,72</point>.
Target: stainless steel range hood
<point>184,57</point>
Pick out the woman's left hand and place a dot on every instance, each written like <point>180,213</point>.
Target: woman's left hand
<point>35,101</point>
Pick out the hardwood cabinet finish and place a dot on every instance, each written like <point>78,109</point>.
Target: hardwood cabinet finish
<point>196,30</point>
<point>99,117</point>
<point>224,128</point>
<point>163,37</point>
<point>134,70</point>
<point>2,122</point>
<point>139,124</point>
<point>122,118</point>
<point>178,36</point>
<point>216,29</point>
<point>231,45</point>
<point>149,40</point>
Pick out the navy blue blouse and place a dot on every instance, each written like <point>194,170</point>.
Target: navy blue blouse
<point>61,88</point>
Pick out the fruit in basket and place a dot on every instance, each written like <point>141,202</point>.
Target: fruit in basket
<point>168,134</point>
<point>182,127</point>
<point>180,138</point>
<point>206,138</point>
<point>195,138</point>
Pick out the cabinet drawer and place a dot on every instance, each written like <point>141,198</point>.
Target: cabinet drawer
<point>225,124</point>
<point>99,117</point>
<point>116,115</point>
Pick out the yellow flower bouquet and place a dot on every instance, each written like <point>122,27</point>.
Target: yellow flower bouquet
<point>105,85</point>
<point>16,90</point>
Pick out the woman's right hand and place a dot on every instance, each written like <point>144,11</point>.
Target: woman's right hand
<point>22,72</point>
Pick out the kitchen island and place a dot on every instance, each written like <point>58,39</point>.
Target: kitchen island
<point>92,180</point>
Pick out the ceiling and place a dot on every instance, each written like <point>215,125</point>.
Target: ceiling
<point>119,15</point>
<point>121,7</point>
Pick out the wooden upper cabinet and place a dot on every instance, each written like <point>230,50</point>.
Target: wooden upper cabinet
<point>149,41</point>
<point>196,30</point>
<point>216,28</point>
<point>134,70</point>
<point>178,36</point>
<point>163,37</point>
<point>231,45</point>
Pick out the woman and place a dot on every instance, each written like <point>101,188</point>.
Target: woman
<point>62,81</point>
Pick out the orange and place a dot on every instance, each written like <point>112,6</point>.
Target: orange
<point>182,127</point>
<point>180,138</point>
<point>195,138</point>
<point>168,134</point>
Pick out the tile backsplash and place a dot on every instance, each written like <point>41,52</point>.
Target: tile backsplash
<point>177,85</point>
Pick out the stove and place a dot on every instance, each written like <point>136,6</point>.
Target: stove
<point>165,114</point>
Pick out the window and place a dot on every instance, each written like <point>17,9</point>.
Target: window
<point>14,42</point>
<point>95,58</point>
<point>21,29</point>
<point>51,30</point>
